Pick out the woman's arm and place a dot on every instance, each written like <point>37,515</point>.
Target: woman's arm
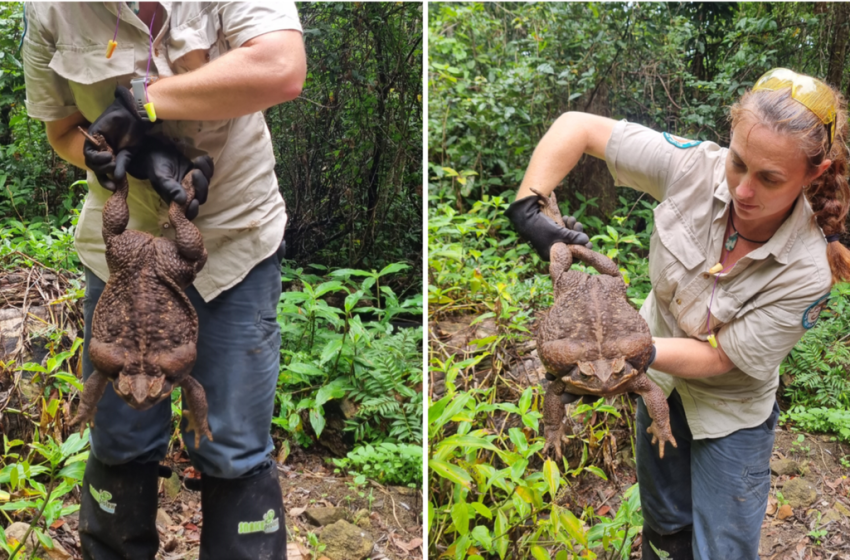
<point>66,139</point>
<point>689,358</point>
<point>265,71</point>
<point>569,137</point>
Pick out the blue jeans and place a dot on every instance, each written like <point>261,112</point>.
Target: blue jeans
<point>238,366</point>
<point>716,486</point>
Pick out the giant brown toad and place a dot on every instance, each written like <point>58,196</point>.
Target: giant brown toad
<point>592,340</point>
<point>144,328</point>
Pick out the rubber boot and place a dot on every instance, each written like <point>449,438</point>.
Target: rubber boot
<point>243,517</point>
<point>678,546</point>
<point>118,511</point>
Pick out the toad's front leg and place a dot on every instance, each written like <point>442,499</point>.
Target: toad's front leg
<point>196,416</point>
<point>656,405</point>
<point>92,392</point>
<point>553,417</point>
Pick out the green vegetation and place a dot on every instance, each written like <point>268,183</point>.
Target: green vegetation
<point>499,75</point>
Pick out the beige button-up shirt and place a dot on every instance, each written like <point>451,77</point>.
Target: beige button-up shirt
<point>66,71</point>
<point>759,305</point>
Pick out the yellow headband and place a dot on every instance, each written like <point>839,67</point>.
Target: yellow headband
<point>815,95</point>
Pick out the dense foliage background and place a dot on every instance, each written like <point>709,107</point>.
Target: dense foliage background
<point>499,75</point>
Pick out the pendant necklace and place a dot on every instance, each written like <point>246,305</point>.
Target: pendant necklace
<point>733,239</point>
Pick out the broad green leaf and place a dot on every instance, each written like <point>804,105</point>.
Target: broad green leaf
<point>539,553</point>
<point>450,472</point>
<point>331,351</point>
<point>552,476</point>
<point>500,534</point>
<point>460,517</point>
<point>482,534</point>
<point>597,471</point>
<point>334,390</point>
<point>317,420</point>
<point>482,510</point>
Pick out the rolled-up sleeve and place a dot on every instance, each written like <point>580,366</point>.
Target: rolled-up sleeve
<point>649,161</point>
<point>758,341</point>
<point>48,95</point>
<point>242,21</point>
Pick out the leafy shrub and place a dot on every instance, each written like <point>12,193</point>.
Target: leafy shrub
<point>819,420</point>
<point>350,353</point>
<point>817,366</point>
<point>386,462</point>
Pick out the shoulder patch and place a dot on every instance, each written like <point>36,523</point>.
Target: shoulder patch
<point>812,313</point>
<point>679,142</point>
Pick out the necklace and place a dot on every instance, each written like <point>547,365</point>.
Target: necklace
<point>733,239</point>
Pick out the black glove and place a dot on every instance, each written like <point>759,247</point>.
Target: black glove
<point>165,167</point>
<point>540,231</point>
<point>123,130</point>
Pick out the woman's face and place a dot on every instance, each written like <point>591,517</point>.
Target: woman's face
<point>765,171</point>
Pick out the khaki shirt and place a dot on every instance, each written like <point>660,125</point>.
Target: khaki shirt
<point>759,305</point>
<point>66,71</point>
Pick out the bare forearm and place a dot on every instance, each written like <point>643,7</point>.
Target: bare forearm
<point>689,358</point>
<point>67,140</point>
<point>243,81</point>
<point>569,137</point>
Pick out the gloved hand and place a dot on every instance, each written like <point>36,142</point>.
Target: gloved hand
<point>123,130</point>
<point>165,167</point>
<point>541,231</point>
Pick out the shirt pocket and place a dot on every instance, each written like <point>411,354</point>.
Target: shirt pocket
<point>196,42</point>
<point>672,253</point>
<point>91,76</point>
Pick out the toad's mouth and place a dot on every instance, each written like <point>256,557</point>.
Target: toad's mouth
<point>140,391</point>
<point>603,369</point>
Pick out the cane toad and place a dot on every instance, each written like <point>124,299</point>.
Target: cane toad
<point>144,328</point>
<point>592,340</point>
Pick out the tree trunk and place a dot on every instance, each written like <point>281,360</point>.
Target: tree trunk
<point>840,36</point>
<point>590,176</point>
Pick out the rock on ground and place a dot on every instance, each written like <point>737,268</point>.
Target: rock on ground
<point>345,541</point>
<point>17,531</point>
<point>781,467</point>
<point>322,516</point>
<point>799,492</point>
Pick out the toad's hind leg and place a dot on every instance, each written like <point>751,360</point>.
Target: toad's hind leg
<point>553,418</point>
<point>196,415</point>
<point>190,243</point>
<point>656,405</point>
<point>92,392</point>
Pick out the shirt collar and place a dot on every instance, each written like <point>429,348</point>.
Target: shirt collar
<point>779,246</point>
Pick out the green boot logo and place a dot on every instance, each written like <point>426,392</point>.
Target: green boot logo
<point>268,525</point>
<point>102,497</point>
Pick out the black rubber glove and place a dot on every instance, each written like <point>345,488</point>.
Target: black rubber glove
<point>165,167</point>
<point>124,131</point>
<point>540,231</point>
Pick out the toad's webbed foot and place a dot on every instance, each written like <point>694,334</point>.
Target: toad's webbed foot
<point>196,415</point>
<point>92,392</point>
<point>661,434</point>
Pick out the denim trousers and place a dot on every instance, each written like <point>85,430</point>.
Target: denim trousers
<point>238,367</point>
<point>716,486</point>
